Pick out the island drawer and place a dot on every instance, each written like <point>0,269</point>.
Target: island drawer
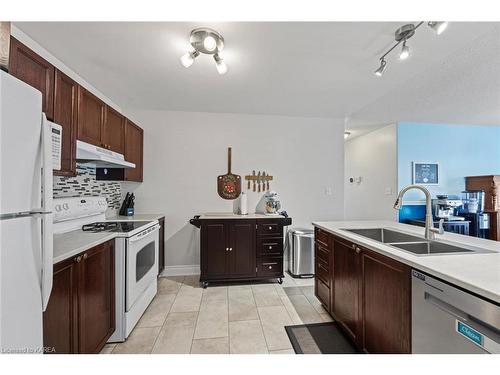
<point>270,246</point>
<point>322,254</point>
<point>322,237</point>
<point>272,267</point>
<point>322,292</point>
<point>322,271</point>
<point>269,227</point>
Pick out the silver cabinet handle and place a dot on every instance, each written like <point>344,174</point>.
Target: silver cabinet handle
<point>85,256</point>
<point>353,246</point>
<point>227,248</point>
<point>270,228</point>
<point>78,259</point>
<point>358,250</point>
<point>230,249</point>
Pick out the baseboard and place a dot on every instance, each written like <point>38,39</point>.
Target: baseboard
<point>193,269</point>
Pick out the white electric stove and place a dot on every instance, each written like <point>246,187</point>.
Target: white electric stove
<point>136,255</point>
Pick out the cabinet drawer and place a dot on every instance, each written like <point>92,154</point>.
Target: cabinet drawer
<point>272,267</point>
<point>270,246</point>
<point>322,291</point>
<point>322,254</point>
<point>322,237</point>
<point>269,227</point>
<point>322,271</point>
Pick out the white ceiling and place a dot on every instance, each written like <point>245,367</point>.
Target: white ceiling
<point>294,69</point>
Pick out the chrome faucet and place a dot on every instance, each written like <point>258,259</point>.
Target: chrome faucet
<point>429,222</point>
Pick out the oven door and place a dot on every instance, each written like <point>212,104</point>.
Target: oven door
<point>141,263</point>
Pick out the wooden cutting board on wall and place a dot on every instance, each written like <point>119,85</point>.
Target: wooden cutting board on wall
<point>229,185</point>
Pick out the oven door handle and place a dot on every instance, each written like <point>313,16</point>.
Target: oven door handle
<point>144,233</point>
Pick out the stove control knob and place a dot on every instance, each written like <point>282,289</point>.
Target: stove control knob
<point>58,208</point>
<point>65,206</point>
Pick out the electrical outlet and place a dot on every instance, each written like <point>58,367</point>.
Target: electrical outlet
<point>328,190</point>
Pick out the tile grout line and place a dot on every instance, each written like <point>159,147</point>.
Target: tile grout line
<point>260,320</point>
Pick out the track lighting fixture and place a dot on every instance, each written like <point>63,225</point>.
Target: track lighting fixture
<point>206,41</point>
<point>402,35</point>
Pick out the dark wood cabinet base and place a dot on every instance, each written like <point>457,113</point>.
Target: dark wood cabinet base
<point>241,250</point>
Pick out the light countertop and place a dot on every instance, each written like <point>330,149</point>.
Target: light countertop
<point>478,273</point>
<point>72,243</point>
<point>136,217</point>
<point>230,215</point>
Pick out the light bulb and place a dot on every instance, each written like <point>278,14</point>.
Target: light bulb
<point>438,26</point>
<point>188,59</point>
<point>220,64</point>
<point>405,52</point>
<point>221,67</point>
<point>209,43</point>
<point>381,68</point>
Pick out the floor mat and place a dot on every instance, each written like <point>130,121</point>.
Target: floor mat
<point>319,338</point>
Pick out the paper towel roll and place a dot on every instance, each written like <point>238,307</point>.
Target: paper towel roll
<point>243,209</point>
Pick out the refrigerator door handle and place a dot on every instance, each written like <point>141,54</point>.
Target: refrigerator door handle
<point>47,218</point>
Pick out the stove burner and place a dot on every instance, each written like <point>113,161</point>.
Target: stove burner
<point>114,226</point>
<point>100,227</point>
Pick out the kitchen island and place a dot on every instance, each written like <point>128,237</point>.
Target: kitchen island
<point>366,285</point>
<point>240,247</point>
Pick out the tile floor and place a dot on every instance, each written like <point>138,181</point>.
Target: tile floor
<point>244,318</point>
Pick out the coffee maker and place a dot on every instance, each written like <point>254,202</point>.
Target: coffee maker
<point>446,207</point>
<point>473,211</point>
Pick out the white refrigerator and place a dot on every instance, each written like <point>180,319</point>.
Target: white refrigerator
<point>26,240</point>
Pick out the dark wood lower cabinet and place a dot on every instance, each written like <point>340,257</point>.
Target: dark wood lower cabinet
<point>386,305</point>
<point>80,316</point>
<point>368,294</point>
<point>345,283</point>
<point>241,249</point>
<point>161,247</point>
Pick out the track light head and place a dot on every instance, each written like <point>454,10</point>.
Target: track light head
<point>381,68</point>
<point>438,26</point>
<point>188,59</point>
<point>405,52</point>
<point>220,64</point>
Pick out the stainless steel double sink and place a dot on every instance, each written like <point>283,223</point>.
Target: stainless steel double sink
<point>414,244</point>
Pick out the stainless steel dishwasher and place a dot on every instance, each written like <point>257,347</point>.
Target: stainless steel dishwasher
<point>446,319</point>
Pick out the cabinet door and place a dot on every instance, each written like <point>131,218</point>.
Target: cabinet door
<point>65,114</point>
<point>134,139</point>
<point>386,299</point>
<point>161,247</point>
<point>35,71</point>
<point>90,117</point>
<point>113,134</point>
<point>346,287</point>
<point>214,249</point>
<point>60,319</point>
<point>96,312</point>
<point>242,250</point>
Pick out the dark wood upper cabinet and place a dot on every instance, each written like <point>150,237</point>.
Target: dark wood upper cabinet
<point>80,316</point>
<point>386,304</point>
<point>346,287</point>
<point>91,112</point>
<point>96,312</point>
<point>134,145</point>
<point>113,134</point>
<point>242,254</point>
<point>65,114</point>
<point>35,71</point>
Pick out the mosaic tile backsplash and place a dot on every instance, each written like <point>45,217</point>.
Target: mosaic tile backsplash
<point>86,185</point>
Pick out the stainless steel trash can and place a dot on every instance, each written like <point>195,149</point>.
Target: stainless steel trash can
<point>300,246</point>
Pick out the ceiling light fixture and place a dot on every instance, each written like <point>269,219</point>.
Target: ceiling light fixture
<point>402,35</point>
<point>206,41</point>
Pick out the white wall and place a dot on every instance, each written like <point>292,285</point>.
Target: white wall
<point>373,157</point>
<point>184,152</point>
